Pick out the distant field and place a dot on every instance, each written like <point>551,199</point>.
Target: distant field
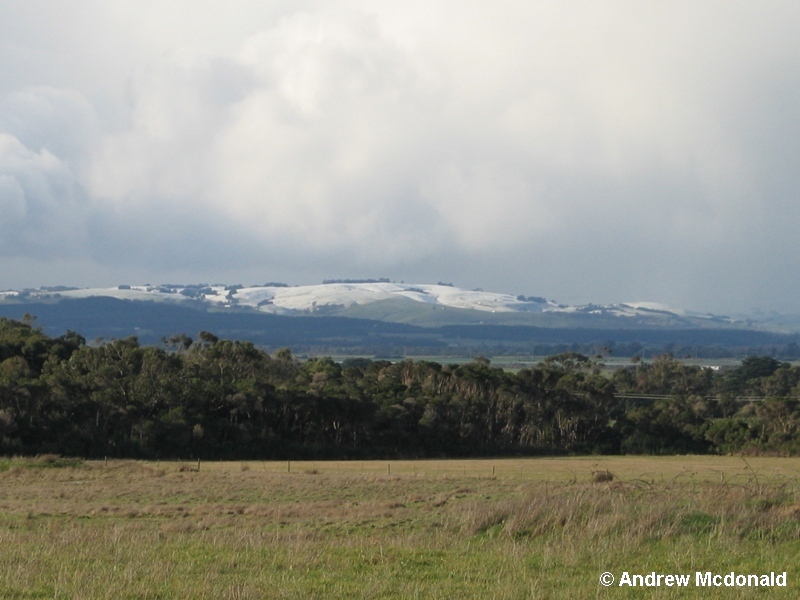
<point>516,362</point>
<point>498,528</point>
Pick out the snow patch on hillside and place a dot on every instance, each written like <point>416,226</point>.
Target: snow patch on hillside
<point>314,298</point>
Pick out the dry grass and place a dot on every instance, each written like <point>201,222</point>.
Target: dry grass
<point>509,529</point>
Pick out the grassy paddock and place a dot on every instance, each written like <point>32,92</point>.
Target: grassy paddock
<point>505,528</point>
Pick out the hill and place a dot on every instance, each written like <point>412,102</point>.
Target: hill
<point>388,320</point>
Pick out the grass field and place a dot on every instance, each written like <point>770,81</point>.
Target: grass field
<point>527,528</point>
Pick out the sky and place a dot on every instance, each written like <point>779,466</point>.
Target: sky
<point>588,152</point>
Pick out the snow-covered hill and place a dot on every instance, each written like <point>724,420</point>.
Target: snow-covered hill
<point>335,298</point>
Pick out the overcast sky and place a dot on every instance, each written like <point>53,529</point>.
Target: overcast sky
<point>582,151</point>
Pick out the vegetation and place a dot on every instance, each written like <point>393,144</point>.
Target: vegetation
<point>219,399</point>
<point>505,529</point>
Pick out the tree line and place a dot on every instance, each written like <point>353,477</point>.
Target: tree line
<point>221,399</point>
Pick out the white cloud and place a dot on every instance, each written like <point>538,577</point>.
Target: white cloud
<point>303,134</point>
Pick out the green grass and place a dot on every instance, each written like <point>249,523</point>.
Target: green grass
<point>45,461</point>
<point>536,528</point>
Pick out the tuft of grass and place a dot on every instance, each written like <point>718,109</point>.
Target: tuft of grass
<point>602,476</point>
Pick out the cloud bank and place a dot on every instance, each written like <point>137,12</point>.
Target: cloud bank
<point>585,152</point>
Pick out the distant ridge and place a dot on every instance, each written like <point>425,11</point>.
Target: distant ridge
<point>403,302</point>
